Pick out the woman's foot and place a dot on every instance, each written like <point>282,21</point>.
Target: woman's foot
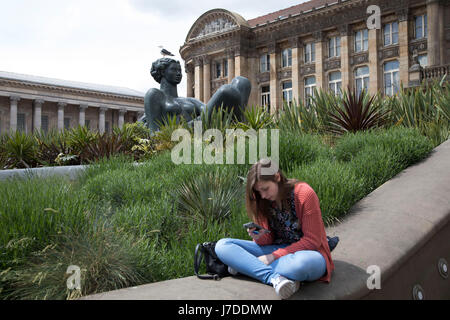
<point>284,287</point>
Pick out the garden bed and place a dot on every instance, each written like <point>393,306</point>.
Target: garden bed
<point>121,223</point>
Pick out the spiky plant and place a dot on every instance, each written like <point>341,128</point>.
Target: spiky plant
<point>78,138</point>
<point>356,113</point>
<point>52,146</point>
<point>208,196</point>
<point>255,118</point>
<point>104,146</point>
<point>20,150</point>
<point>163,137</point>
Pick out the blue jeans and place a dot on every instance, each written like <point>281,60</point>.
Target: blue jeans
<point>242,256</point>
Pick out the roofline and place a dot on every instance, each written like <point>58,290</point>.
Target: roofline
<point>41,81</point>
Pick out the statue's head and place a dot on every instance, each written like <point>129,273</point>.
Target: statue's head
<point>167,68</point>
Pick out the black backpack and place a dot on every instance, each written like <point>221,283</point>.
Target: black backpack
<point>215,268</point>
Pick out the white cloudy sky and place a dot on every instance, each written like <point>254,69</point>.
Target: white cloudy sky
<point>111,42</point>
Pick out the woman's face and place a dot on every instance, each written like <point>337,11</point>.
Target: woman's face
<point>173,73</point>
<point>268,189</point>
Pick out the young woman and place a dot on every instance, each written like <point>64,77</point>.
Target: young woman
<point>294,248</point>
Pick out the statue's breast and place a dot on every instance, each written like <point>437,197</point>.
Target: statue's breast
<point>188,106</point>
<point>173,107</point>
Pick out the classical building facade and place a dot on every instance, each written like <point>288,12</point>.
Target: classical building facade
<point>327,44</point>
<point>30,103</point>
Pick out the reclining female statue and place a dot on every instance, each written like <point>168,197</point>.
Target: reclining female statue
<point>165,101</point>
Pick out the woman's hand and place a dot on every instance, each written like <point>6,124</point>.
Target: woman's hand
<point>267,259</point>
<point>255,236</point>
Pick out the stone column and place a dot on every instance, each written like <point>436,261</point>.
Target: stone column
<point>101,119</point>
<point>230,56</point>
<point>240,63</point>
<point>198,91</point>
<point>122,117</point>
<point>13,113</point>
<point>275,101</point>
<point>374,79</point>
<point>320,81</point>
<point>296,80</point>
<point>433,34</point>
<point>346,72</point>
<point>206,79</point>
<point>82,119</point>
<point>61,106</point>
<point>37,120</point>
<point>189,80</point>
<point>403,41</point>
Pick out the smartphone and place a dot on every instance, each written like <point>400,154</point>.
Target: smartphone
<point>251,225</point>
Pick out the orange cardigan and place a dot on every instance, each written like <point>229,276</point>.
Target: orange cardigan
<point>314,237</point>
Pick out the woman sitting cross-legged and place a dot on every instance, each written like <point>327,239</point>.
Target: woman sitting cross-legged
<point>294,247</point>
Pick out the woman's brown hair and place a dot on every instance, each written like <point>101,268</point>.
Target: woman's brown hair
<point>256,206</point>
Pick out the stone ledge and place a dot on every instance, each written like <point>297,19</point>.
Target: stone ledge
<point>402,227</point>
<point>70,171</point>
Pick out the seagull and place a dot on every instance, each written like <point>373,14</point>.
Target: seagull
<point>164,52</point>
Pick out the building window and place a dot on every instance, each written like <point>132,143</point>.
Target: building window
<point>391,77</point>
<point>287,92</point>
<point>310,85</point>
<point>87,124</point>
<point>421,26</point>
<point>335,82</point>
<point>218,70</point>
<point>361,79</point>
<point>21,125</point>
<point>334,47</point>
<point>423,60</point>
<point>225,68</point>
<point>286,58</point>
<point>361,40</point>
<point>44,123</point>
<point>66,123</point>
<point>265,63</point>
<point>107,126</point>
<point>390,32</point>
<point>265,97</point>
<point>310,52</point>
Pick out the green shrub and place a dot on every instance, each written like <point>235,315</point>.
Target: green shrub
<point>407,145</point>
<point>336,184</point>
<point>298,149</point>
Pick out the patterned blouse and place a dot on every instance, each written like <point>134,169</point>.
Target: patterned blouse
<point>284,223</point>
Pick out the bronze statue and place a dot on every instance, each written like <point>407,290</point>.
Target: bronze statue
<point>165,101</point>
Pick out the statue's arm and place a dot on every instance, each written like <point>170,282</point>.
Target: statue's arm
<point>154,107</point>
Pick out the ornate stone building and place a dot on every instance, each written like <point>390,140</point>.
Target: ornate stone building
<point>318,44</point>
<point>30,103</point>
